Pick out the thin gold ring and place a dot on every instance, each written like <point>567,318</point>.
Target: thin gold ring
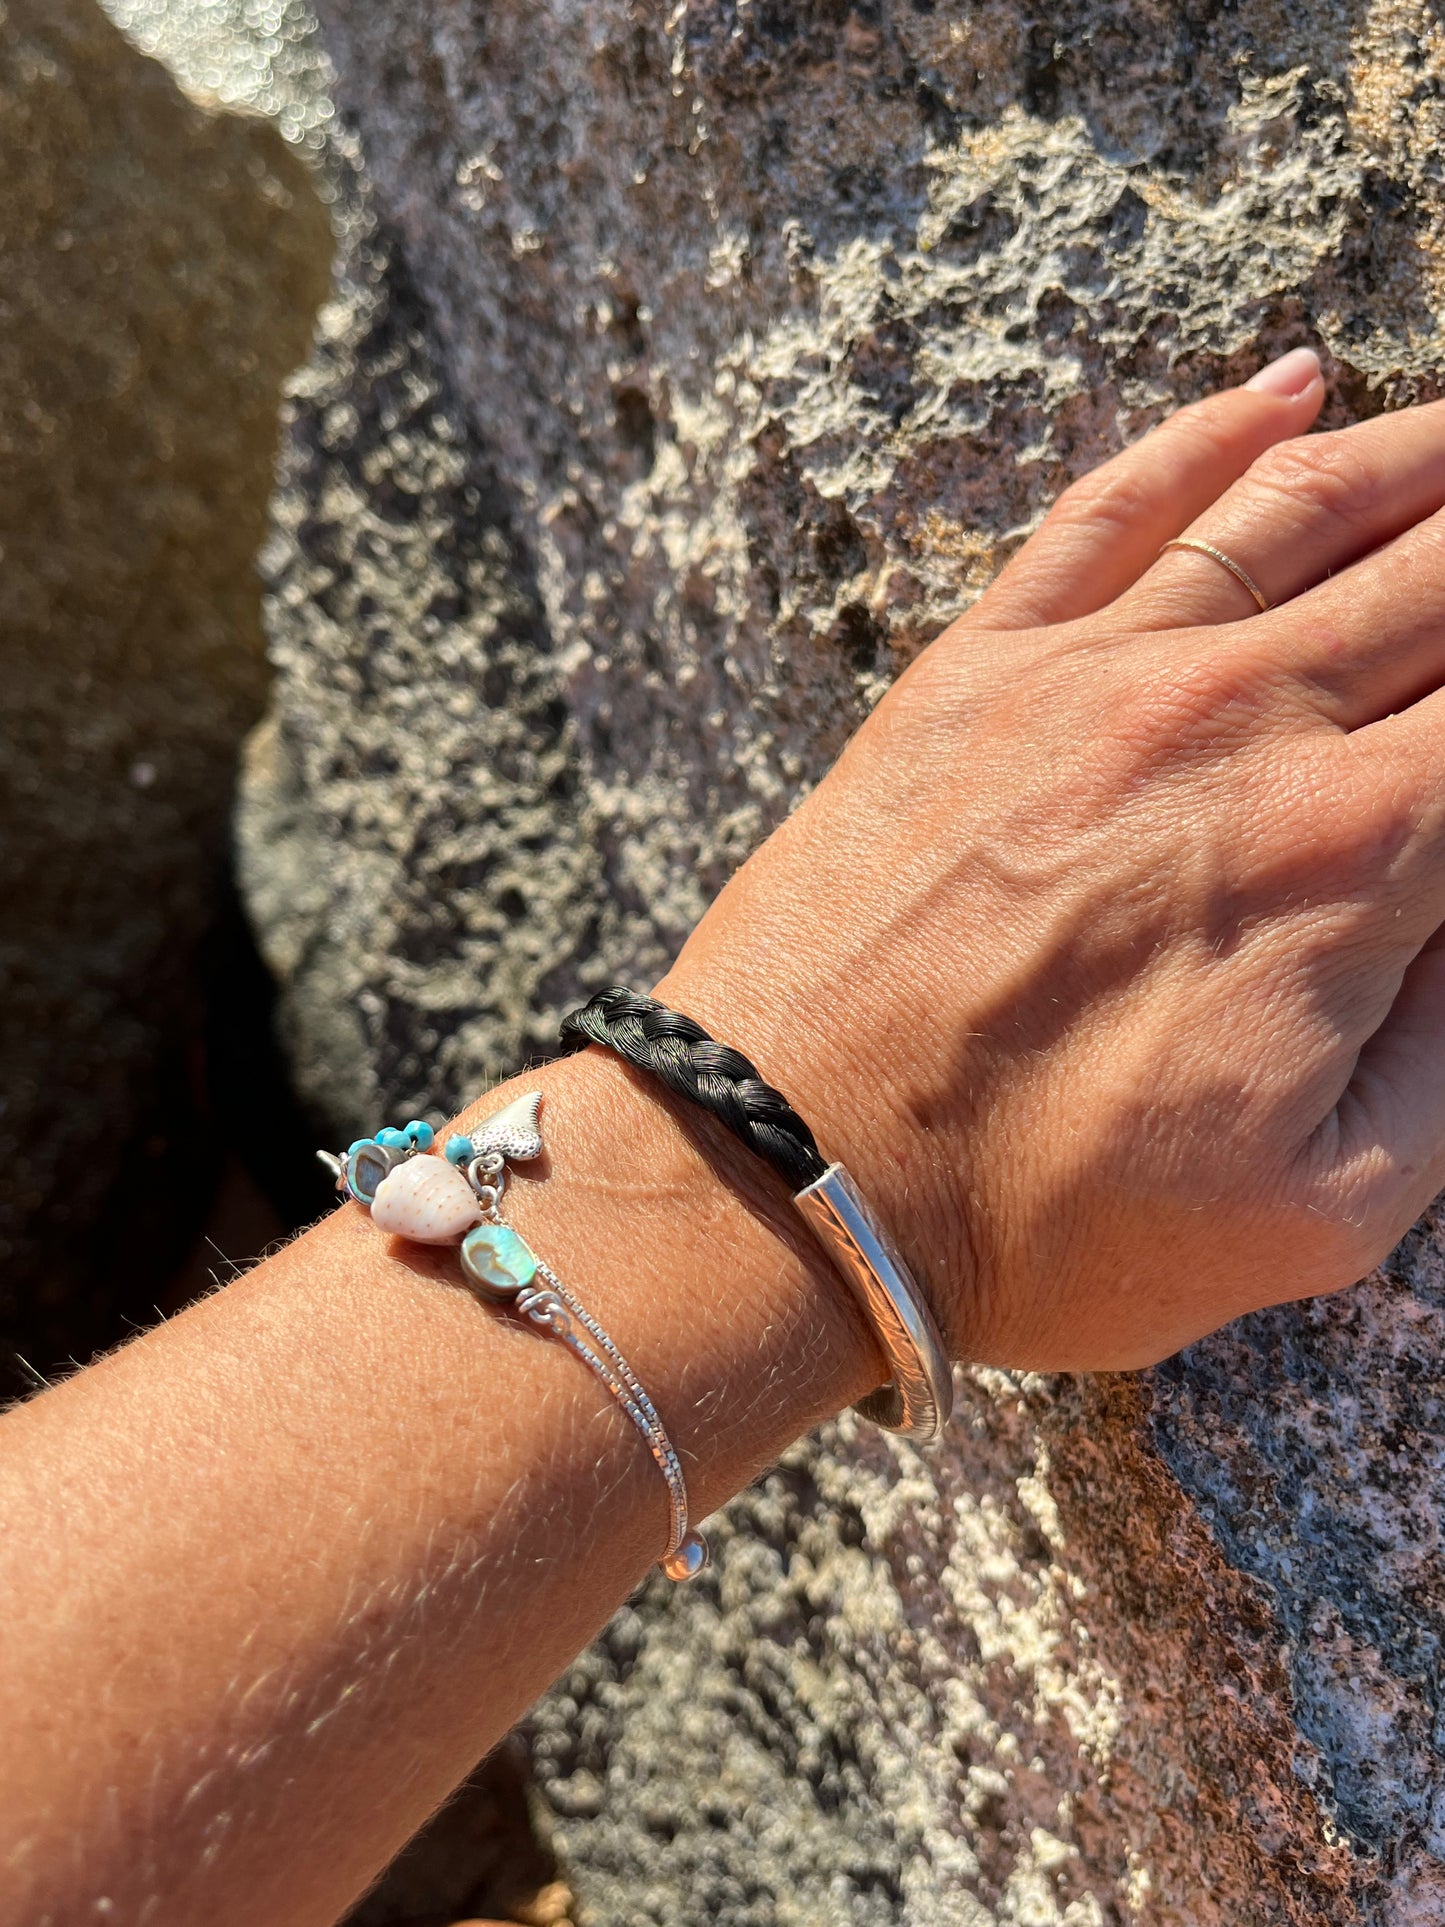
<point>1208,548</point>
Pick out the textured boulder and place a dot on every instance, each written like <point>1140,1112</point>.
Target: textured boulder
<point>717,355</point>
<point>161,268</point>
<point>409,832</point>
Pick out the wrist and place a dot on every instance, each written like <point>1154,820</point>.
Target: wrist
<point>691,1254</point>
<point>863,1111</point>
<point>398,1513</point>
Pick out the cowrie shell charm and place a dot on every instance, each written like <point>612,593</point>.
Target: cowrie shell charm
<point>426,1200</point>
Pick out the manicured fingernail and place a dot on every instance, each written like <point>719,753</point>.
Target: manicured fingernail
<point>1289,376</point>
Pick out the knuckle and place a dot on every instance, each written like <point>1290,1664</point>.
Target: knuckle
<point>1352,823</point>
<point>1115,496</point>
<point>1179,702</point>
<point>1125,490</point>
<point>1323,474</point>
<point>1419,557</point>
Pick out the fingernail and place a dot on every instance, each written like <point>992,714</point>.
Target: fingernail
<point>1289,376</point>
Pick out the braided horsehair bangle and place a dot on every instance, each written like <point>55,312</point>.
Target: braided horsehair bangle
<point>918,1398</point>
<point>455,1202</point>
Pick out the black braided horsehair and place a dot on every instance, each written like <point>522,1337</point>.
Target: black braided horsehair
<point>679,1051</point>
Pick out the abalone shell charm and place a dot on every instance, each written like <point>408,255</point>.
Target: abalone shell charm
<point>499,1261</point>
<point>427,1200</point>
<point>367,1164</point>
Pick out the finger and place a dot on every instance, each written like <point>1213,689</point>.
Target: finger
<point>1371,641</point>
<point>1305,510</point>
<point>1106,528</point>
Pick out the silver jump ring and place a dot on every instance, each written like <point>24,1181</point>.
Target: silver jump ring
<point>487,1175</point>
<point>1226,561</point>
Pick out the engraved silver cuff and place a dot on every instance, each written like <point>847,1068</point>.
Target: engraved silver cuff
<point>918,1397</point>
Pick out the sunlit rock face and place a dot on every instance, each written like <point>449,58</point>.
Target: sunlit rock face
<point>705,361</point>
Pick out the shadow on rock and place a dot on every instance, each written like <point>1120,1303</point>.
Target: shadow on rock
<point>163,265</point>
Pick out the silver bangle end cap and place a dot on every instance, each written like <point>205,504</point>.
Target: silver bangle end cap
<point>688,1558</point>
<point>918,1398</point>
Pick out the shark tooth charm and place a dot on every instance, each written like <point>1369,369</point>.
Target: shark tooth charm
<point>426,1200</point>
<point>514,1132</point>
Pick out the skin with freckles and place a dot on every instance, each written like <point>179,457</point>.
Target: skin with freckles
<point>1107,958</point>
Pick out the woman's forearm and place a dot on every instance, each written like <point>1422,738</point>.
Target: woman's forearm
<point>288,1565</point>
<point>1109,959</point>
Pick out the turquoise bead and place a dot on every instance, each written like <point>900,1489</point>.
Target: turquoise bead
<point>458,1150</point>
<point>498,1260</point>
<point>393,1140</point>
<point>421,1134</point>
<point>360,1145</point>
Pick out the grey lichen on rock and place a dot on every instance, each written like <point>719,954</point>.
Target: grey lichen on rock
<point>762,334</point>
<point>161,266</point>
<point>411,836</point>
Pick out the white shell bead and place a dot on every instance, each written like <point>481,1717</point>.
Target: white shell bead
<point>426,1200</point>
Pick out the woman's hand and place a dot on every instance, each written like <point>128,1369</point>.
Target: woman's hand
<point>1108,956</point>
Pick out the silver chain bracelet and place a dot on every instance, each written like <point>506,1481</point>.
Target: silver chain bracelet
<point>457,1200</point>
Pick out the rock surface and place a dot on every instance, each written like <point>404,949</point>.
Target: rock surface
<point>410,832</point>
<point>161,265</point>
<point>710,359</point>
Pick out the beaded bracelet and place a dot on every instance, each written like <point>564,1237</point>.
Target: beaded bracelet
<point>918,1398</point>
<point>455,1200</point>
